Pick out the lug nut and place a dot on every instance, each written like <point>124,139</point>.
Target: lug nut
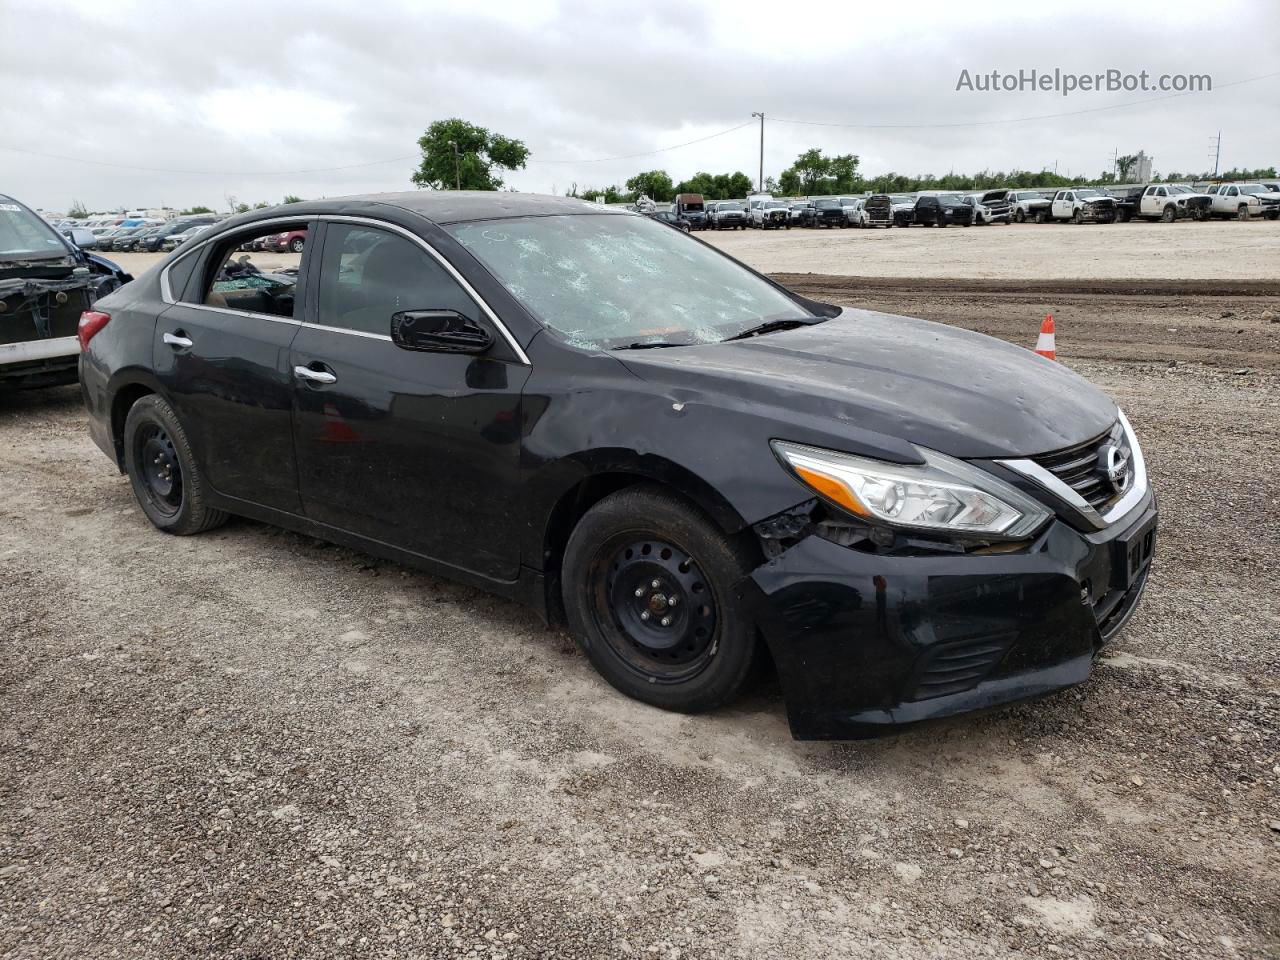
<point>644,614</point>
<point>672,601</point>
<point>666,621</point>
<point>656,584</point>
<point>639,591</point>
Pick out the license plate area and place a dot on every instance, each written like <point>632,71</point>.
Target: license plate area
<point>1132,554</point>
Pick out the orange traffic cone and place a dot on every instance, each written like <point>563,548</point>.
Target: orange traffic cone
<point>1044,343</point>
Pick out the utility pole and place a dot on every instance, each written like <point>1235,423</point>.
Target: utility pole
<point>1115,165</point>
<point>1216,143</point>
<point>457,169</point>
<point>760,182</point>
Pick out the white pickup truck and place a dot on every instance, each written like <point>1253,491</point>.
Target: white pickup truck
<point>1083,205</point>
<point>1244,201</point>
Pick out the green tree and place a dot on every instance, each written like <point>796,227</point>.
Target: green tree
<point>1124,165</point>
<point>190,211</point>
<point>814,173</point>
<point>654,184</point>
<point>77,210</point>
<point>459,154</point>
<point>261,205</point>
<point>242,208</point>
<point>291,198</point>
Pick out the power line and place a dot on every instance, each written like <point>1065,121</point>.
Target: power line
<point>1042,116</point>
<point>650,153</point>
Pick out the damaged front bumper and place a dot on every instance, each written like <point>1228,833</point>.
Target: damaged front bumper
<point>867,643</point>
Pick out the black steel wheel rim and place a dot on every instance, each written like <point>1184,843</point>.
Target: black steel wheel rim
<point>655,607</point>
<point>159,468</point>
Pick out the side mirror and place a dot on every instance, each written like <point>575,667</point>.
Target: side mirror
<point>438,331</point>
<point>84,239</point>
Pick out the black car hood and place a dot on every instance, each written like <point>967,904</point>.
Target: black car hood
<point>951,390</point>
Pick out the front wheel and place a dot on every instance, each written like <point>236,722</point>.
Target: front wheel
<point>1168,214</point>
<point>162,470</point>
<point>649,594</point>
<point>1242,213</point>
<point>1020,216</point>
<point>1042,216</point>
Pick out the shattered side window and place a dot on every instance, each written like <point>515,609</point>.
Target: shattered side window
<point>607,280</point>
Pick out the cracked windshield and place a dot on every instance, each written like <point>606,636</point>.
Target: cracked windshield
<point>612,281</point>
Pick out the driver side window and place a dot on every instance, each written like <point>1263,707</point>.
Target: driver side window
<point>369,274</point>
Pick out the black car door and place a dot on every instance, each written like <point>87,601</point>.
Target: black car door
<point>415,449</point>
<point>221,353</point>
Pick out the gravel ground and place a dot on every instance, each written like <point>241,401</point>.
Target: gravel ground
<point>252,744</point>
<point>1217,250</point>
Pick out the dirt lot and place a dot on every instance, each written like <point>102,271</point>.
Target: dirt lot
<point>1217,250</point>
<point>251,744</point>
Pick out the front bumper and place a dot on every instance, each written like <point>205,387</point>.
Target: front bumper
<point>867,644</point>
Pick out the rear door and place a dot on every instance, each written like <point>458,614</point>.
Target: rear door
<point>221,353</point>
<point>414,449</point>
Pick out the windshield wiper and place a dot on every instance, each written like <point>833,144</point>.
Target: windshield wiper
<point>652,345</point>
<point>773,325</point>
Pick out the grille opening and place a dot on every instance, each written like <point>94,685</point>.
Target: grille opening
<point>1077,467</point>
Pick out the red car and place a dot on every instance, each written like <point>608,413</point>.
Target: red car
<point>293,241</point>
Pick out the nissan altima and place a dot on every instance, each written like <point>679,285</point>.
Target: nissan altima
<point>696,470</point>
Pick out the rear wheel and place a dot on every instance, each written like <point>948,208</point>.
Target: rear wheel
<point>1042,216</point>
<point>162,470</point>
<point>296,244</point>
<point>648,590</point>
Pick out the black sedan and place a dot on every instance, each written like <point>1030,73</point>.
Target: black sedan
<point>640,437</point>
<point>673,220</point>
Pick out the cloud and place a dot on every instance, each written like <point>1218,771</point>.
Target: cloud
<point>224,98</point>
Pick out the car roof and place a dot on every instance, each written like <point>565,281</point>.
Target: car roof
<point>457,206</point>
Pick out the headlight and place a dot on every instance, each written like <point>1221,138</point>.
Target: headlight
<point>944,495</point>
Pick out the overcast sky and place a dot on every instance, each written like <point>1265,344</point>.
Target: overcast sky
<point>238,98</point>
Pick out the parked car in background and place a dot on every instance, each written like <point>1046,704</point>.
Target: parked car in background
<point>291,240</point>
<point>693,208</point>
<point>999,208</point>
<point>175,240</point>
<point>943,209</point>
<point>904,209</point>
<point>727,215</point>
<point>1083,205</point>
<point>130,243</point>
<point>800,212</point>
<point>770,214</point>
<point>155,241</point>
<point>1244,201</point>
<point>855,212</point>
<point>827,212</point>
<point>1161,201</point>
<point>691,467</point>
<point>46,282</point>
<point>847,204</point>
<point>671,219</point>
<point>878,211</point>
<point>1024,205</point>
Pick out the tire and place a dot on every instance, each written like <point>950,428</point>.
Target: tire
<point>1042,216</point>
<point>941,221</point>
<point>296,244</point>
<point>1020,216</point>
<point>162,470</point>
<point>1242,213</point>
<point>644,534</point>
<point>1077,217</point>
<point>1169,214</point>
<point>1273,214</point>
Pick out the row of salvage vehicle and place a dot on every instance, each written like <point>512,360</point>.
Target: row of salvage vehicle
<point>1165,202</point>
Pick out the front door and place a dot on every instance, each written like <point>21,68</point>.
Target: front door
<point>221,354</point>
<point>413,449</point>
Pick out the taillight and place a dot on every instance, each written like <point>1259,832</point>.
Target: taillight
<point>91,321</point>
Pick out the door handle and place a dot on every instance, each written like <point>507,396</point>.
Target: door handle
<point>176,340</point>
<point>315,376</point>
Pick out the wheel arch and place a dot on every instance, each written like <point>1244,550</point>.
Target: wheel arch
<point>589,488</point>
<point>123,396</point>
